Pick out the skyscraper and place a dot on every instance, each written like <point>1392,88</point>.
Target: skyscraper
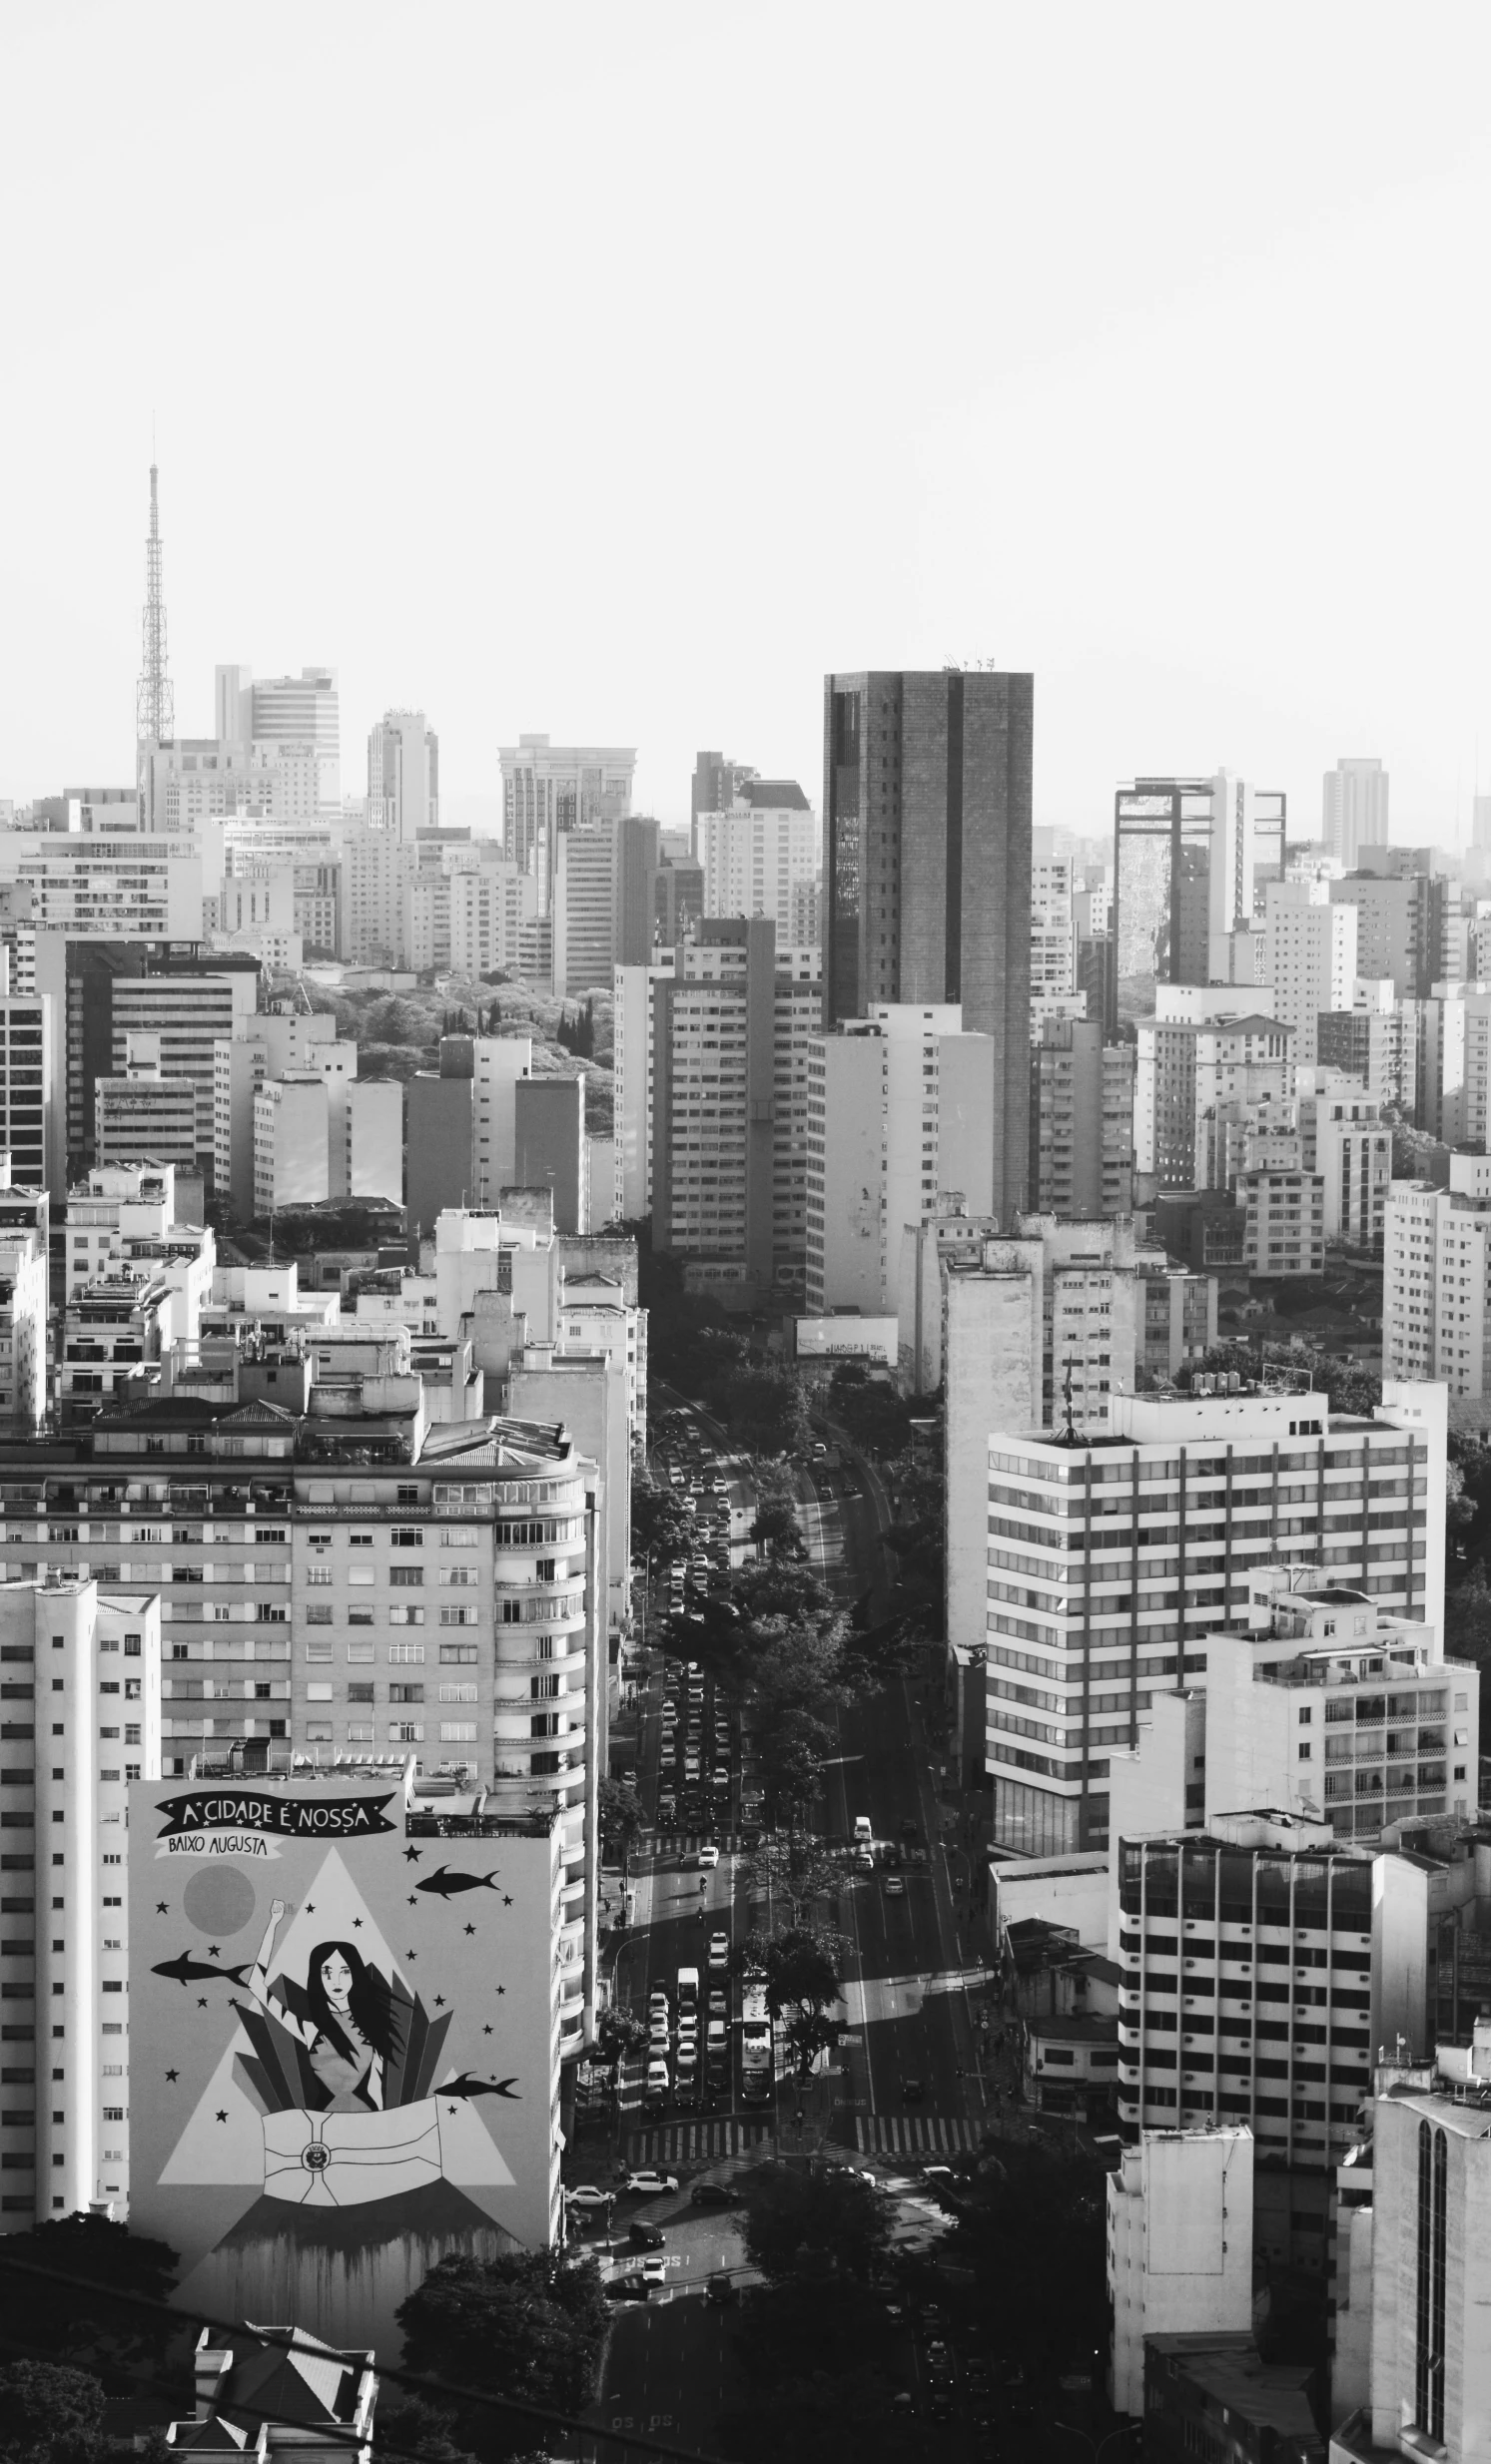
<point>1354,809</point>
<point>547,788</point>
<point>403,774</point>
<point>288,710</point>
<point>1191,857</point>
<point>927,866</point>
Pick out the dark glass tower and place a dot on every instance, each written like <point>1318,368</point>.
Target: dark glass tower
<point>927,866</point>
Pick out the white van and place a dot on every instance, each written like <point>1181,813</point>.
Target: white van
<point>863,1834</point>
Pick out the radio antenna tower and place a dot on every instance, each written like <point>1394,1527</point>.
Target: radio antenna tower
<point>155,704</point>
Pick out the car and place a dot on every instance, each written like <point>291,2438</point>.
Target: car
<point>909,1827</point>
<point>862,1829</point>
<point>690,1766</point>
<point>721,2288</point>
<point>862,1861</point>
<point>642,2237</point>
<point>714,2194</point>
<point>649,2184</point>
<point>819,1446</point>
<point>719,2007</point>
<point>659,2031</point>
<point>628,2288</point>
<point>707,1858</point>
<point>657,2076</point>
<point>719,1950</point>
<point>654,2271</point>
<point>667,1808</point>
<point>895,1888</point>
<point>912,2090</point>
<point>585,2194</point>
<point>657,2002</point>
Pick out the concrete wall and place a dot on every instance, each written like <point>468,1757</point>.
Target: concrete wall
<point>992,1382</point>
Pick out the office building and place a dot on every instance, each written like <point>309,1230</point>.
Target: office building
<point>193,781</point>
<point>377,869</point>
<point>535,950</point>
<point>142,1114</point>
<point>31,1087</point>
<point>585,909</point>
<point>756,850</point>
<point>1409,923</point>
<point>95,1656</point>
<point>1082,1121</point>
<point>1179,2244</point>
<point>548,1133</point>
<point>1262,1962</point>
<point>727,1099</point>
<point>927,867</point>
<point>1413,2378</point>
<point>186,1016</point>
<point>1283,1209</point>
<point>404,774</point>
<point>1243,1481</point>
<point>549,789</point>
<point>1309,957</point>
<point>1354,810</point>
<point>292,1142</point>
<point>1350,1149</point>
<point>1191,857</point>
<point>805,911</point>
<point>317,909</point>
<point>301,710</point>
<point>440,1122</point>
<point>678,904</point>
<point>1375,1040</point>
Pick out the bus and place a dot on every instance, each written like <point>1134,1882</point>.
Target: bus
<point>756,2055</point>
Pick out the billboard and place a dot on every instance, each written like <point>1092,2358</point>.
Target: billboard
<point>342,2044</point>
<point>849,1338</point>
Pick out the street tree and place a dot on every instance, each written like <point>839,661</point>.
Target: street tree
<point>777,1531</point>
<point>622,1814</point>
<point>525,2325</point>
<point>794,1872</point>
<point>791,1750</point>
<point>49,2413</point>
<point>86,2327</point>
<point>815,2224</point>
<point>807,2034</point>
<point>661,1525</point>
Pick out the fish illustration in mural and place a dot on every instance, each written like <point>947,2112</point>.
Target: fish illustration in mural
<point>183,1970</point>
<point>448,1883</point>
<point>469,2086</point>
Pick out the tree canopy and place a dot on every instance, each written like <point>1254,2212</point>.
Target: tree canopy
<point>818,2224</point>
<point>49,2414</point>
<point>525,2325</point>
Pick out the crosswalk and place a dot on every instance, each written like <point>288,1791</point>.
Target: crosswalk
<point>912,2134</point>
<point>689,1843</point>
<point>695,2143</point>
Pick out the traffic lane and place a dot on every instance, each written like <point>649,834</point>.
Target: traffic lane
<point>900,2008</point>
<point>669,2365</point>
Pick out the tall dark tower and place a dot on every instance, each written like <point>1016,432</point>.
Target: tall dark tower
<point>927,866</point>
<point>155,704</point>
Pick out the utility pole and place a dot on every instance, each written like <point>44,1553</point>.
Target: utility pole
<point>155,703</point>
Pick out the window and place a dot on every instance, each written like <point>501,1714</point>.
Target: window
<point>362,1574</point>
<point>406,1652</point>
<point>406,1732</point>
<point>458,1732</point>
<point>317,1575</point>
<point>317,1733</point>
<point>313,1617</point>
<point>458,1654</point>
<point>405,1617</point>
<point>317,1693</point>
<point>406,1578</point>
<point>360,1539</point>
<point>459,1578</point>
<point>359,1693</point>
<point>407,1535</point>
<point>458,1693</point>
<point>359,1616</point>
<point>458,1616</point>
<point>406,1694</point>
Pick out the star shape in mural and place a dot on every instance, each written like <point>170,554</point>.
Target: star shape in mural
<point>507,1902</point>
<point>501,1989</point>
<point>486,2031</point>
<point>439,2002</point>
<point>222,2112</point>
<point>173,2074</point>
<point>470,1929</point>
<point>310,1907</point>
<point>452,2108</point>
<point>213,1950</point>
<point>161,1908</point>
<point>202,2002</point>
<point>414,1903</point>
<point>357,1925</point>
<point>411,1856</point>
<point>412,1955</point>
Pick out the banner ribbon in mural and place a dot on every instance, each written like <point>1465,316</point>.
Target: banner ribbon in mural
<point>250,1809</point>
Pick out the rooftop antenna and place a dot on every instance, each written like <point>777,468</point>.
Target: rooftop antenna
<point>155,703</point>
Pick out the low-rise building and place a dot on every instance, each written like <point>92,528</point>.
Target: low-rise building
<point>1179,2243</point>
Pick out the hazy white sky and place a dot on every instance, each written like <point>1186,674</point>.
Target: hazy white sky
<point>616,371</point>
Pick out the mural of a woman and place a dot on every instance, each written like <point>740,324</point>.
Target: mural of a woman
<point>345,2024</point>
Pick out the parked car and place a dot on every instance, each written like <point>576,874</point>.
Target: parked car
<point>628,2288</point>
<point>585,2194</point>
<point>719,1950</point>
<point>714,2194</point>
<point>649,2184</point>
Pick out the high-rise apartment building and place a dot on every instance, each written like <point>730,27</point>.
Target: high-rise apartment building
<point>756,850</point>
<point>489,909</point>
<point>24,1290</point>
<point>926,867</point>
<point>89,1659</point>
<point>1262,1962</point>
<point>1191,857</point>
<point>713,789</point>
<point>301,710</point>
<point>1375,1040</point>
<point>729,1104</point>
<point>1436,1278</point>
<point>920,1113</point>
<point>404,774</point>
<point>549,789</point>
<point>1203,1084</point>
<point>1309,957</point>
<point>1354,809</point>
<point>584,907</point>
<point>1141,1539</point>
<point>1052,943</point>
<point>548,1139</point>
<point>1082,1121</point>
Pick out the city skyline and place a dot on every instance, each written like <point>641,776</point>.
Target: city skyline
<point>1334,623</point>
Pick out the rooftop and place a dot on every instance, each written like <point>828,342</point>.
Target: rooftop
<point>1230,2370</point>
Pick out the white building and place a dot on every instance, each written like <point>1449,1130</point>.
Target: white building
<point>633,996</point>
<point>302,710</point>
<point>549,789</point>
<point>1111,1562</point>
<point>188,1015</point>
<point>584,907</point>
<point>403,779</point>
<point>1309,957</point>
<point>1436,1278</point>
<point>377,869</point>
<point>372,1121</point>
<point>1052,943</point>
<point>1199,1069</point>
<point>1375,1040</point>
<point>1179,2244</point>
<point>1354,810</point>
<point>95,1659</point>
<point>141,1114</point>
<point>291,1141</point>
<point>489,909</point>
<point>756,851</point>
<point>24,1279</point>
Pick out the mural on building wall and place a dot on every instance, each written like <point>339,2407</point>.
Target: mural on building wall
<point>341,2045</point>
